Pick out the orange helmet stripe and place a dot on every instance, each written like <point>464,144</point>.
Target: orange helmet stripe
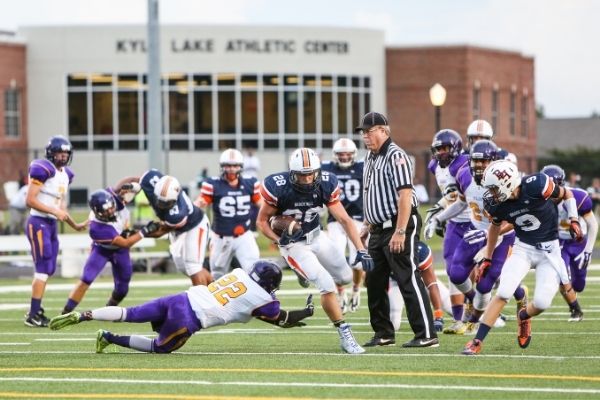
<point>165,188</point>
<point>305,158</point>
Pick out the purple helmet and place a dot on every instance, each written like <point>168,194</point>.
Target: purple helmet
<point>266,274</point>
<point>450,143</point>
<point>482,150</point>
<point>59,144</point>
<point>103,205</point>
<point>556,173</point>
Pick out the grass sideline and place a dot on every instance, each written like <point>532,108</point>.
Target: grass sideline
<point>258,361</point>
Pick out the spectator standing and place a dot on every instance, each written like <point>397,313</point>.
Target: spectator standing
<point>390,206</point>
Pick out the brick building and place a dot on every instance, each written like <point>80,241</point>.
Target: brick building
<point>13,100</point>
<point>494,85</point>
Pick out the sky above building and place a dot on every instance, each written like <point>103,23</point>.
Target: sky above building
<point>561,35</point>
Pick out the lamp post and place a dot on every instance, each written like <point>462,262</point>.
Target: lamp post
<point>437,95</point>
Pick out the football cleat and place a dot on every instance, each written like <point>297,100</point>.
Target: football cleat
<point>35,321</point>
<point>468,311</point>
<point>471,328</point>
<point>523,302</point>
<point>101,342</point>
<point>576,315</point>
<point>500,322</point>
<point>438,324</point>
<point>64,320</point>
<point>473,347</point>
<point>457,328</point>
<point>355,301</point>
<point>524,331</point>
<point>347,340</point>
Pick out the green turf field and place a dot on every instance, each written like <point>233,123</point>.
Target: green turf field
<point>259,361</point>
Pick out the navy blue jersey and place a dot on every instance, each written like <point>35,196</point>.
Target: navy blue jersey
<point>277,191</point>
<point>533,214</point>
<point>350,181</point>
<point>183,216</point>
<point>231,205</point>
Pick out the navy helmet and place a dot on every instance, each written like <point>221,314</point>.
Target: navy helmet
<point>266,274</point>
<point>446,146</point>
<point>482,150</point>
<point>59,144</point>
<point>556,173</point>
<point>424,255</point>
<point>103,206</point>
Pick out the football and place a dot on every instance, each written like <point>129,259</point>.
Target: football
<point>281,223</point>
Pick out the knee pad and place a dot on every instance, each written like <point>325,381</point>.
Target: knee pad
<point>481,300</point>
<point>465,287</point>
<point>40,277</point>
<point>324,282</point>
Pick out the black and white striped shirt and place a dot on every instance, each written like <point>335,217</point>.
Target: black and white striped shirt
<point>385,173</point>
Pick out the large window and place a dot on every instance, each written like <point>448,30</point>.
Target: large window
<point>12,112</point>
<point>204,111</point>
<point>525,113</point>
<point>495,104</point>
<point>476,100</point>
<point>513,110</point>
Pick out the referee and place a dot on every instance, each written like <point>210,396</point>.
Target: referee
<point>390,206</point>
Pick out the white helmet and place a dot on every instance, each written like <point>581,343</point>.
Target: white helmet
<point>479,129</point>
<point>167,191</point>
<point>231,157</point>
<point>500,178</point>
<point>344,145</point>
<point>305,161</point>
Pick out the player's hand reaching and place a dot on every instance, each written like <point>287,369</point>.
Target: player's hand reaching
<point>310,307</point>
<point>482,268</point>
<point>150,228</point>
<point>575,230</point>
<point>365,260</point>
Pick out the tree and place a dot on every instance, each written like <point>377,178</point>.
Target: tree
<point>582,160</point>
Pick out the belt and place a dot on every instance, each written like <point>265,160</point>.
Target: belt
<point>389,224</point>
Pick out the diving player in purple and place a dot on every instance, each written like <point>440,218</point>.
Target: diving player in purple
<point>470,197</point>
<point>235,297</point>
<point>303,192</point>
<point>349,173</point>
<point>231,196</point>
<point>527,204</point>
<point>111,240</point>
<point>577,255</point>
<point>49,182</point>
<point>446,149</point>
<point>186,224</point>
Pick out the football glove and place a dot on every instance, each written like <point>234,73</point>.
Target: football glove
<point>583,260</point>
<point>575,230</point>
<point>127,232</point>
<point>287,239</point>
<point>150,228</point>
<point>365,260</point>
<point>431,227</point>
<point>482,267</point>
<point>475,236</point>
<point>437,208</point>
<point>451,193</point>
<point>438,324</point>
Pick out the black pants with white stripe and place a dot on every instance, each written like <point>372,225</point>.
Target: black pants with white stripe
<point>401,267</point>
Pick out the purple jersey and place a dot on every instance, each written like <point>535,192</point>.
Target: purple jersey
<point>532,213</point>
<point>183,215</point>
<point>231,205</point>
<point>584,206</point>
<point>278,192</point>
<point>350,181</point>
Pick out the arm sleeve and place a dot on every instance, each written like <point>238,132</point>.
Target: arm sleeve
<point>401,170</point>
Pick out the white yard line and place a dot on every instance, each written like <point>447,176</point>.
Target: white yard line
<point>507,388</point>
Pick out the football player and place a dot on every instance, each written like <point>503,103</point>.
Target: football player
<point>446,149</point>
<point>470,197</point>
<point>527,204</point>
<point>111,240</point>
<point>349,173</point>
<point>478,130</point>
<point>302,192</point>
<point>186,224</point>
<point>49,182</point>
<point>235,297</point>
<point>577,255</point>
<point>231,196</point>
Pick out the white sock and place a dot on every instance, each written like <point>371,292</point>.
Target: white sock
<point>111,313</point>
<point>141,343</point>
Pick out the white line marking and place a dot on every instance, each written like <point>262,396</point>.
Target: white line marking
<point>312,385</point>
<point>14,344</point>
